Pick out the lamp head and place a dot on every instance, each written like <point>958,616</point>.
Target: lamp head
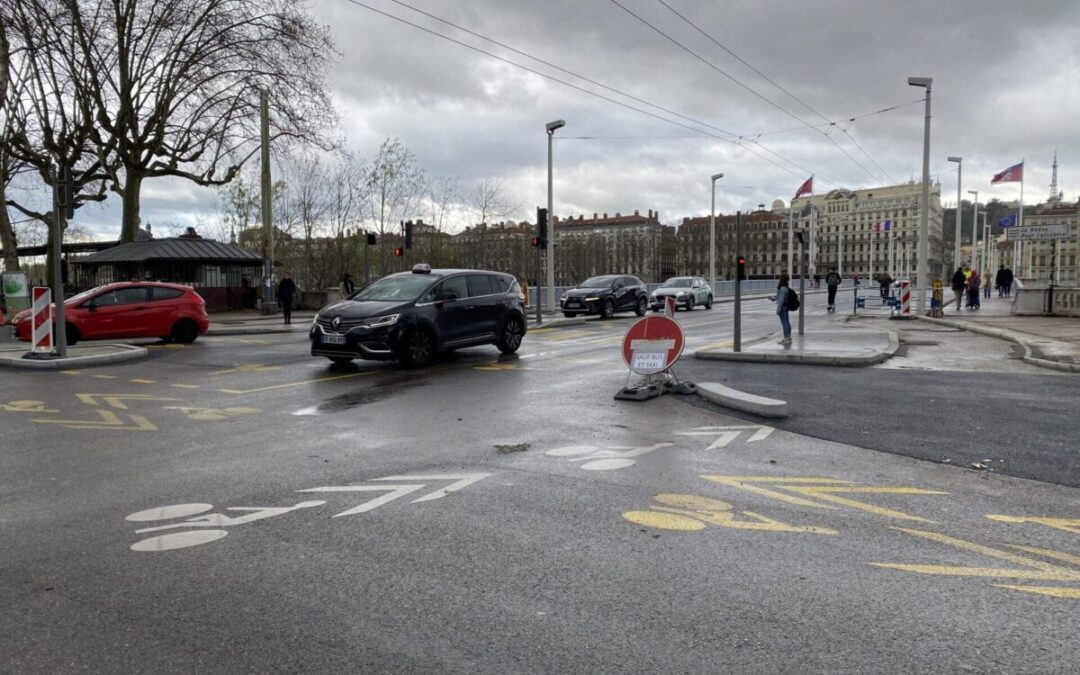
<point>920,81</point>
<point>955,159</point>
<point>557,124</point>
<point>717,176</point>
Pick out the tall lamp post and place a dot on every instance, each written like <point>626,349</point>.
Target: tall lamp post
<point>924,205</point>
<point>712,234</point>
<point>974,226</point>
<point>551,127</point>
<point>959,211</point>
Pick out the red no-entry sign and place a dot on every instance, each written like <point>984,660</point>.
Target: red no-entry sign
<point>652,345</point>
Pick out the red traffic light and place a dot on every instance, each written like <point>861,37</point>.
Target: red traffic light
<point>536,242</point>
<point>398,252</point>
<point>742,261</point>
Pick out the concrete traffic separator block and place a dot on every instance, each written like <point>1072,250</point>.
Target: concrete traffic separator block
<point>739,400</point>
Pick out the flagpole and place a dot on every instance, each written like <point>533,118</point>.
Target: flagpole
<point>790,237</point>
<point>1019,247</point>
<point>813,232</point>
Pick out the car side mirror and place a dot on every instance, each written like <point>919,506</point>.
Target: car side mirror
<point>91,306</point>
<point>618,287</point>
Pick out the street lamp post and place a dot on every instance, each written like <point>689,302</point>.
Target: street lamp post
<point>712,234</point>
<point>924,207</point>
<point>959,211</point>
<point>974,226</point>
<point>551,127</point>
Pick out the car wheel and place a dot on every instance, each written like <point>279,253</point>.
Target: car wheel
<point>708,302</point>
<point>608,310</point>
<point>340,360</point>
<point>418,348</point>
<point>512,332</point>
<point>72,334</point>
<point>185,331</point>
<point>569,315</point>
<point>690,303</point>
<point>642,306</point>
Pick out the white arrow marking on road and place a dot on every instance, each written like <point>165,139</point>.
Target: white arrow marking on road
<point>726,435</point>
<point>395,491</point>
<point>465,480</point>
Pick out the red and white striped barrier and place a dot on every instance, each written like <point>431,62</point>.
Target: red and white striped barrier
<point>905,297</point>
<point>41,323</point>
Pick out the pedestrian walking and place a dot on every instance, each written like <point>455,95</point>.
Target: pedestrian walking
<point>833,282</point>
<point>285,292</point>
<point>783,300</point>
<point>973,290</point>
<point>347,286</point>
<point>959,283</point>
<point>885,281</point>
<point>999,281</point>
<point>817,281</point>
<point>1008,282</point>
<point>986,285</point>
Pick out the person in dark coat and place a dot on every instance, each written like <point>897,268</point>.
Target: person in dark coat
<point>286,292</point>
<point>959,285</point>
<point>1008,282</point>
<point>885,280</point>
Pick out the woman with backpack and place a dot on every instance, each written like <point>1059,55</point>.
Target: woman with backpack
<point>786,300</point>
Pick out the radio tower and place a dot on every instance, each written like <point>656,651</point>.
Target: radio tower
<point>1055,196</point>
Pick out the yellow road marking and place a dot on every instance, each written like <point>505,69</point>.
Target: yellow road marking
<point>144,381</point>
<point>248,368</point>
<point>1036,569</point>
<point>691,512</point>
<point>115,400</point>
<point>1053,591</point>
<point>1067,524</point>
<point>109,420</point>
<point>185,386</point>
<point>105,377</point>
<point>718,345</point>
<point>497,366</point>
<point>824,489</point>
<point>298,384</point>
<point>27,406</point>
<point>70,372</point>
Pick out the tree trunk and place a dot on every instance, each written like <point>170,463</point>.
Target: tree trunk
<point>130,219</point>
<point>7,236</point>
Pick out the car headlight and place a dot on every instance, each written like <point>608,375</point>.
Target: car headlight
<point>315,319</point>
<point>680,294</point>
<point>591,299</point>
<point>563,297</point>
<point>388,320</point>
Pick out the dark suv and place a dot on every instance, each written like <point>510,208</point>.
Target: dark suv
<point>606,295</point>
<point>410,316</point>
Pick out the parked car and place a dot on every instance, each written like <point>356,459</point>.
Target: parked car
<point>411,316</point>
<point>687,291</point>
<point>130,310</point>
<point>606,295</point>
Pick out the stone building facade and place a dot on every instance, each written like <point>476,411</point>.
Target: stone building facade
<point>1042,260</point>
<point>764,243</point>
<point>633,244</point>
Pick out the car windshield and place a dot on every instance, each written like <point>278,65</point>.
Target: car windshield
<point>395,289</point>
<point>678,282</point>
<point>75,299</point>
<point>598,282</point>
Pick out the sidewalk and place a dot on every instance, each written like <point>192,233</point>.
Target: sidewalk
<point>11,356</point>
<point>1048,341</point>
<point>824,343</point>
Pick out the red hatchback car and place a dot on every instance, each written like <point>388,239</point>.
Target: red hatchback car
<point>130,310</point>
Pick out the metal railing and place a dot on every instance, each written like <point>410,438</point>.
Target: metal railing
<point>721,289</point>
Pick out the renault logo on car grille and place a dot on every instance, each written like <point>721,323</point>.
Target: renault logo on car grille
<point>336,323</point>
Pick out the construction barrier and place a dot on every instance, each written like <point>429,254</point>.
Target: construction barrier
<point>41,323</point>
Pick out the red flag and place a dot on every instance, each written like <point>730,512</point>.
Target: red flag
<point>1014,174</point>
<point>806,188</point>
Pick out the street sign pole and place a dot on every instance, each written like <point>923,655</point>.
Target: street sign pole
<point>803,264</point>
<point>60,204</point>
<point>537,294</point>
<point>738,283</point>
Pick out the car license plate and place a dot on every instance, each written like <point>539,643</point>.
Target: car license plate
<point>333,339</point>
<point>572,303</point>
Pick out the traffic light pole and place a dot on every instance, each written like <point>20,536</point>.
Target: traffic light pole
<point>536,292</point>
<point>60,204</point>
<point>738,282</point>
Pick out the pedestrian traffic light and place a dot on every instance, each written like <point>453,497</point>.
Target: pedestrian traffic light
<point>541,227</point>
<point>398,251</point>
<point>741,268</point>
<point>408,234</point>
<point>371,238</point>
<point>536,242</point>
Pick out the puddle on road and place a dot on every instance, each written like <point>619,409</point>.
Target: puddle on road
<point>360,397</point>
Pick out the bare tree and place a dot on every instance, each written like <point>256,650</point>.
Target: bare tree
<point>173,86</point>
<point>392,187</point>
<point>9,166</point>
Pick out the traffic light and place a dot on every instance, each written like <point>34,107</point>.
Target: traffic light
<point>398,251</point>
<point>66,192</point>
<point>741,268</point>
<point>408,234</point>
<point>536,242</point>
<point>541,227</point>
<point>371,238</point>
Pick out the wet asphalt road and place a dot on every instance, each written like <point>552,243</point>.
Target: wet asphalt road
<point>587,535</point>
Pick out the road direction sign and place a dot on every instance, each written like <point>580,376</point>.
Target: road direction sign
<point>1039,232</point>
<point>652,345</point>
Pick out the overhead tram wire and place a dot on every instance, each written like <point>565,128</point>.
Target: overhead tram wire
<point>775,84</point>
<point>741,84</point>
<point>736,143</point>
<point>750,138</point>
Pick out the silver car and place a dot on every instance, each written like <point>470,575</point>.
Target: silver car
<point>687,291</point>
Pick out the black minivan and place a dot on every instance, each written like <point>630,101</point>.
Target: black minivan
<point>411,316</point>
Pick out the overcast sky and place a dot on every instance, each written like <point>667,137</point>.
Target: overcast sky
<point>1005,89</point>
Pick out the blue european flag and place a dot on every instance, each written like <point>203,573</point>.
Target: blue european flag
<point>1007,221</point>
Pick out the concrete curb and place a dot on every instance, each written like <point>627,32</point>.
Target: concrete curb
<point>1004,334</point>
<point>250,330</point>
<point>125,353</point>
<point>859,361</point>
<point>742,401</point>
